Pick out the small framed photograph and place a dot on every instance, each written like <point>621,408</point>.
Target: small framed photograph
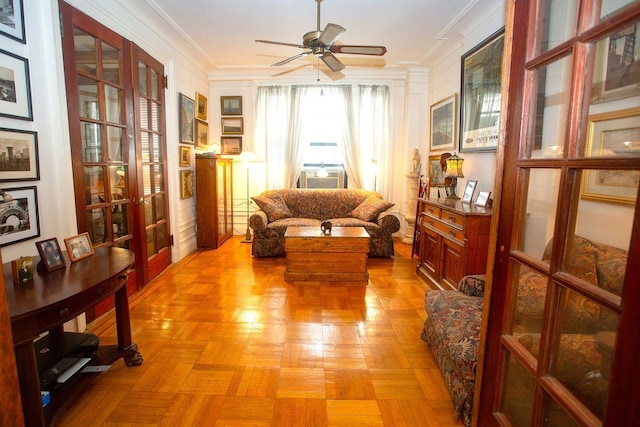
<point>231,105</point>
<point>187,118</point>
<point>443,124</point>
<point>19,148</point>
<point>230,145</point>
<point>232,126</point>
<point>19,207</point>
<point>185,156</point>
<point>15,91</point>
<point>201,106</point>
<point>22,269</point>
<point>186,183</point>
<point>483,198</point>
<point>202,135</point>
<point>468,191</point>
<point>79,246</point>
<point>50,254</point>
<point>12,20</point>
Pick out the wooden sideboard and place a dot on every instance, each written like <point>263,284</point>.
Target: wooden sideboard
<point>214,195</point>
<point>55,297</point>
<point>453,241</point>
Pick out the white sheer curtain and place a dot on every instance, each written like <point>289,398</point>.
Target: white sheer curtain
<point>272,129</point>
<point>286,120</point>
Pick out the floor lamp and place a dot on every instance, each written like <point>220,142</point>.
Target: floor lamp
<point>247,157</point>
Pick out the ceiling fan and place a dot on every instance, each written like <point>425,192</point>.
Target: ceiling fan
<point>322,45</point>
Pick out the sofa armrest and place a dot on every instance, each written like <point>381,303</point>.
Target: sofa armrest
<point>388,222</point>
<point>472,285</point>
<point>258,221</point>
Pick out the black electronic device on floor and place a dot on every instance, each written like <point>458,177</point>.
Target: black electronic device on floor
<point>61,355</point>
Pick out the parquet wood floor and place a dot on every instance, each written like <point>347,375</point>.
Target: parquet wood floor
<point>227,342</point>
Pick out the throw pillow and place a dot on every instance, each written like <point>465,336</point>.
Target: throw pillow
<point>274,206</point>
<point>370,208</point>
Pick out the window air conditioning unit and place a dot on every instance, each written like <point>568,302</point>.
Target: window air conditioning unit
<point>309,179</point>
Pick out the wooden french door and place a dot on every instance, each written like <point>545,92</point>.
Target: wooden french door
<point>562,329</point>
<point>115,96</point>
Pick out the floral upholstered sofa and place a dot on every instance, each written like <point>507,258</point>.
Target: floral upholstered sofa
<point>452,326</point>
<point>280,209</point>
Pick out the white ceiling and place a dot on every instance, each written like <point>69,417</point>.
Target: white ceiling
<point>225,31</point>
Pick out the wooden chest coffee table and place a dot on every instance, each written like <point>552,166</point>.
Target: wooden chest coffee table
<point>337,257</point>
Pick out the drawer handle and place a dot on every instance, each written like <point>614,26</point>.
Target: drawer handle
<point>64,312</point>
<point>430,222</point>
<point>453,233</point>
<point>452,219</point>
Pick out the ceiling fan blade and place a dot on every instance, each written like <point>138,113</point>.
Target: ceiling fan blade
<point>330,34</point>
<point>332,62</point>
<point>359,50</point>
<point>293,58</point>
<point>281,43</point>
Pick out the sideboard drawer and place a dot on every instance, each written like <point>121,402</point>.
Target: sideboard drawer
<point>451,232</point>
<point>432,211</point>
<point>453,218</point>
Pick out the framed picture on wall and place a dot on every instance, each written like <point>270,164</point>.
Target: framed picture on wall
<point>232,126</point>
<point>231,145</point>
<point>480,94</point>
<point>187,118</point>
<point>185,156</point>
<point>20,205</point>
<point>443,124</point>
<point>186,183</point>
<point>12,20</point>
<point>612,134</point>
<point>202,135</point>
<point>201,106</point>
<point>15,91</point>
<point>231,105</point>
<point>19,148</point>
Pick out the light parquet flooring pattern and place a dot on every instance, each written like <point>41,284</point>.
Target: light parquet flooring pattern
<point>227,342</point>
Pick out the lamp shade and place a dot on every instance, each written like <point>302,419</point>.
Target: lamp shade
<point>454,166</point>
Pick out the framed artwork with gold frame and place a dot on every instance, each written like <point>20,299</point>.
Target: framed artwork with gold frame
<point>186,183</point>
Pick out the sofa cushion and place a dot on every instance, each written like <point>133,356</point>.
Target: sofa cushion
<point>274,206</point>
<point>370,208</point>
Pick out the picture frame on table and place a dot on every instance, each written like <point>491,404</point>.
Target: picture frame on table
<point>23,224</point>
<point>483,198</point>
<point>21,162</point>
<point>22,269</point>
<point>443,124</point>
<point>202,135</point>
<point>615,134</point>
<point>201,106</point>
<point>15,87</point>
<point>186,183</point>
<point>12,21</point>
<point>187,119</point>
<point>50,254</point>
<point>231,105</point>
<point>467,196</point>
<point>185,156</point>
<point>79,246</point>
<point>480,94</point>
<point>232,126</point>
<point>230,145</point>
<point>613,74</point>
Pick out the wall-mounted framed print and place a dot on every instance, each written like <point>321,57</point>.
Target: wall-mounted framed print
<point>185,156</point>
<point>19,154</point>
<point>480,94</point>
<point>18,215</point>
<point>202,135</point>
<point>231,105</point>
<point>12,20</point>
<point>187,118</point>
<point>232,126</point>
<point>201,106</point>
<point>468,191</point>
<point>230,145</point>
<point>613,75</point>
<point>443,124</point>
<point>186,183</point>
<point>615,134</point>
<point>50,254</point>
<point>15,89</point>
<point>79,246</point>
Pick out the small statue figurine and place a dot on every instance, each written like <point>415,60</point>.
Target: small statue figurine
<point>325,227</point>
<point>415,161</point>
